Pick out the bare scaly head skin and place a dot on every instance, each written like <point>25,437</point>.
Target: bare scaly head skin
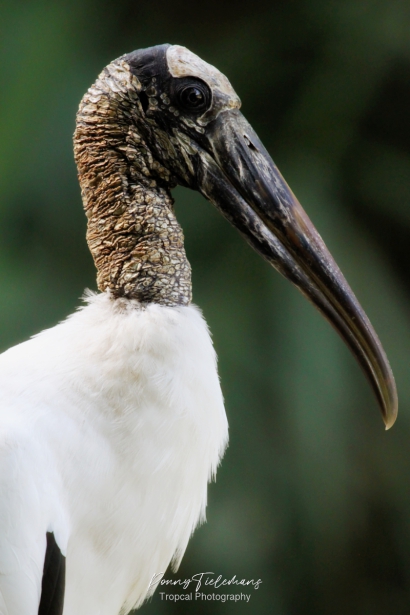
<point>132,232</point>
<point>184,63</point>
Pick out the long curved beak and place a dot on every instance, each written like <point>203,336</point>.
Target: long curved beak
<point>239,177</point>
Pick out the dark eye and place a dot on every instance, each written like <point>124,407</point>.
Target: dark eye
<point>194,97</point>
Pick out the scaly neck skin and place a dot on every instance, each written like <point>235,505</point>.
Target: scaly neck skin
<point>133,234</point>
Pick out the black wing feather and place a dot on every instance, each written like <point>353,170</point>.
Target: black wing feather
<point>52,588</point>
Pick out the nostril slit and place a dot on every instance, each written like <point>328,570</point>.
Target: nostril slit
<point>144,101</point>
<point>249,143</point>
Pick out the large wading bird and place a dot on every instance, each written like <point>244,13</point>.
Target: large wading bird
<point>112,422</point>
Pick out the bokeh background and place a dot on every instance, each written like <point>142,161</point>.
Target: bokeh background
<point>313,496</point>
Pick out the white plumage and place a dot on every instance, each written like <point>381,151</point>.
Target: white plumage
<point>112,423</point>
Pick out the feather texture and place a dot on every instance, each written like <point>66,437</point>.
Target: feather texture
<point>111,425</point>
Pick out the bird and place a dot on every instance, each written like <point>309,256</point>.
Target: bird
<point>112,422</point>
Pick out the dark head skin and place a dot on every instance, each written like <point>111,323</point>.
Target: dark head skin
<point>161,116</point>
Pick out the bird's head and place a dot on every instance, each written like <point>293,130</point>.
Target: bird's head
<point>176,120</point>
<point>183,98</point>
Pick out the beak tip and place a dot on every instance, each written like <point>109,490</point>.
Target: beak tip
<point>390,414</point>
<point>389,421</point>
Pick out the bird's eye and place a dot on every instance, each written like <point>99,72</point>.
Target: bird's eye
<point>194,97</point>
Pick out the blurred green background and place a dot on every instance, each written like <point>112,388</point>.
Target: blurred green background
<point>313,496</point>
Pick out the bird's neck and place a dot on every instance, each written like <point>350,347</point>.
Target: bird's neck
<point>132,232</point>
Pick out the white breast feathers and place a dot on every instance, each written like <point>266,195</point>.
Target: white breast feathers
<point>111,425</point>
